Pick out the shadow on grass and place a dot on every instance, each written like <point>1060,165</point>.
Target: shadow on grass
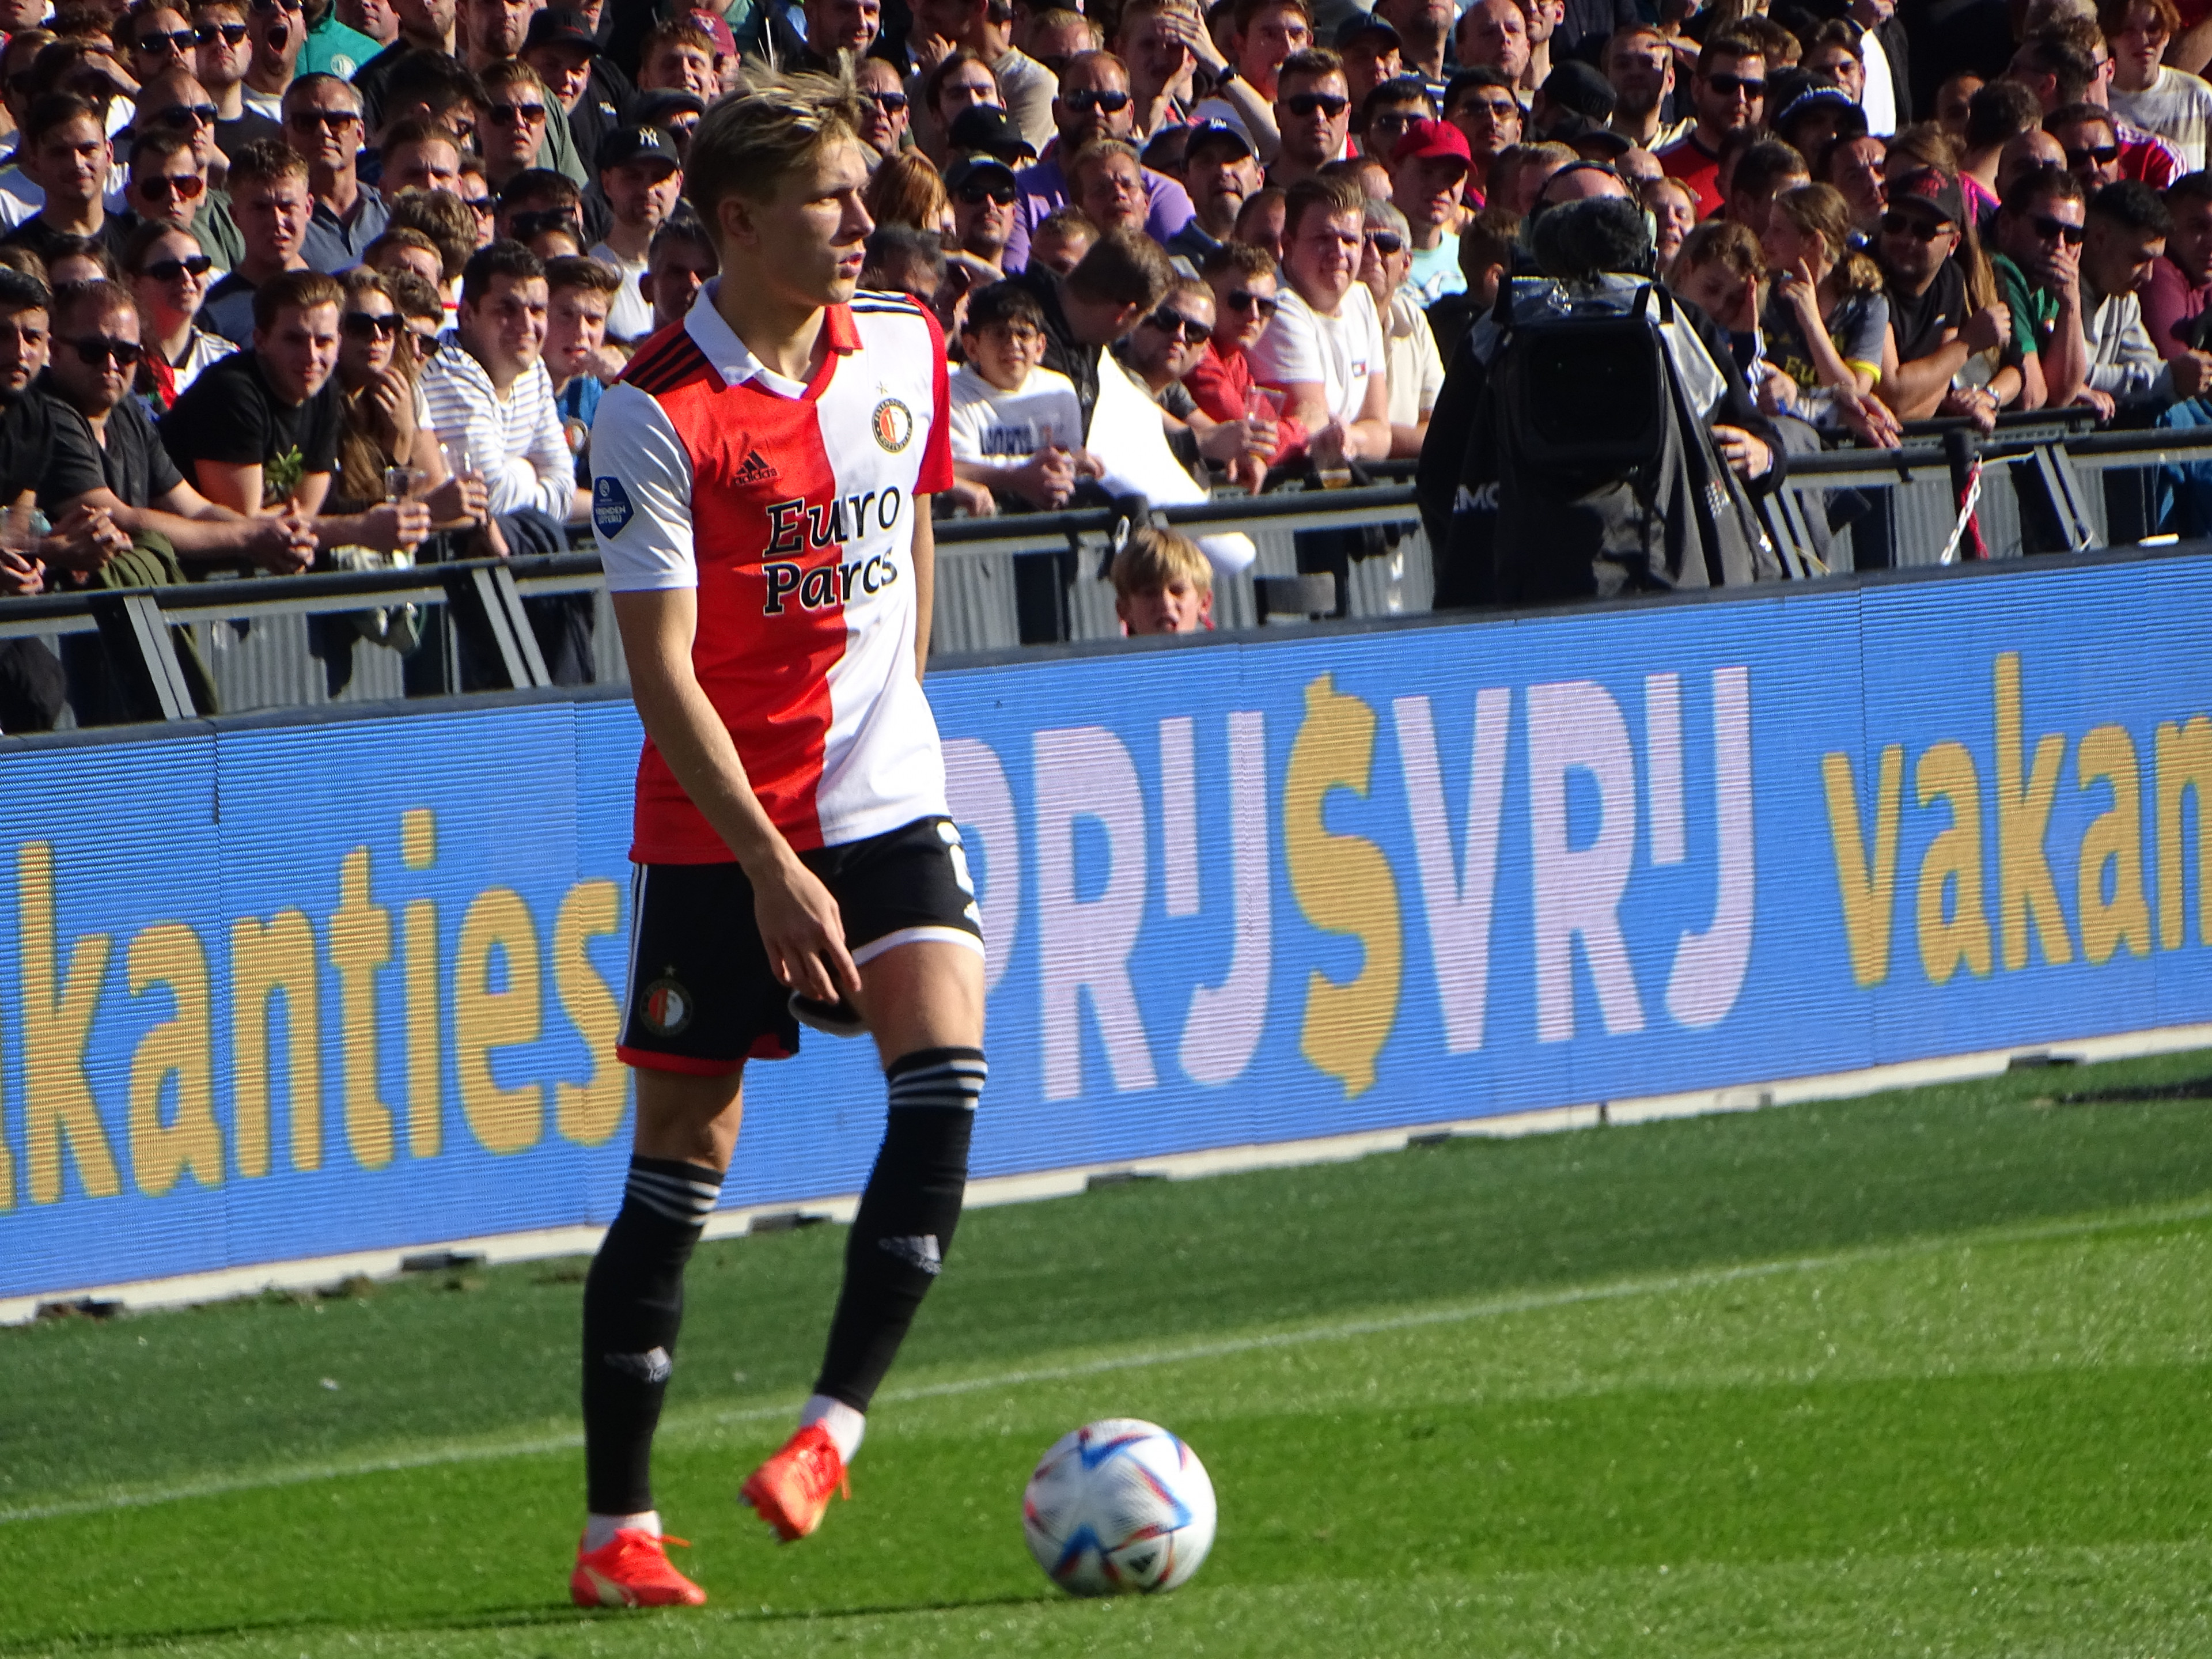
<point>522,1616</point>
<point>2193,1088</point>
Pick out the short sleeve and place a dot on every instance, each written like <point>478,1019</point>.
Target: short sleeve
<point>1289,353</point>
<point>641,495</point>
<point>936,475</point>
<point>161,474</point>
<point>1860,336</point>
<point>73,465</point>
<point>217,420</point>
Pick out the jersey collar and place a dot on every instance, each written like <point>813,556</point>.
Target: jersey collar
<point>734,360</point>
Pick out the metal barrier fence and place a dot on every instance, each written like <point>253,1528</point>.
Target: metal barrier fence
<point>2048,485</point>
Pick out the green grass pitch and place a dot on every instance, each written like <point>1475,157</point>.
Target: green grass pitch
<point>1925,1373</point>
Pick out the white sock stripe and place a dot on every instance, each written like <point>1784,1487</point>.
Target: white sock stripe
<point>670,1212</point>
<point>678,1186</point>
<point>948,1083</point>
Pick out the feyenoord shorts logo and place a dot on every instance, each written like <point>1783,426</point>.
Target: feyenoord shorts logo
<point>894,425</point>
<point>665,1008</point>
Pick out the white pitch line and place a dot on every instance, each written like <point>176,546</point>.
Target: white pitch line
<point>1228,1347</point>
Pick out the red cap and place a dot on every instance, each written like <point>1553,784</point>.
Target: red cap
<point>1425,139</point>
<point>725,42</point>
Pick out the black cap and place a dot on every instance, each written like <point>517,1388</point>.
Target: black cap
<point>987,128</point>
<point>638,142</point>
<point>653,108</point>
<point>1364,22</point>
<point>1199,133</point>
<point>557,26</point>
<point>1576,86</point>
<point>968,167</point>
<point>1579,132</point>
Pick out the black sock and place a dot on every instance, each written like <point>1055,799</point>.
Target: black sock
<point>904,1230</point>
<point>633,1306</point>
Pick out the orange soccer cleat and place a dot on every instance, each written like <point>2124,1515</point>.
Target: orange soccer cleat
<point>631,1570</point>
<point>792,1488</point>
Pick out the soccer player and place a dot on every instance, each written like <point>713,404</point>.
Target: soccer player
<point>761,476</point>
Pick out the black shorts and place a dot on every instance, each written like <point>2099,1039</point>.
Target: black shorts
<point>702,997</point>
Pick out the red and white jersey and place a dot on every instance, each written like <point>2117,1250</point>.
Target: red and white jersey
<point>790,508</point>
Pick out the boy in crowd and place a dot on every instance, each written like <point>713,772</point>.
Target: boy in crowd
<point>1062,239</point>
<point>1162,584</point>
<point>1016,427</point>
<point>579,291</point>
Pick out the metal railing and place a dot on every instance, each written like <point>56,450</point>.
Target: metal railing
<point>2045,499</point>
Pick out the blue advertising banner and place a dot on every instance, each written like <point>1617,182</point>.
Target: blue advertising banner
<point>270,992</point>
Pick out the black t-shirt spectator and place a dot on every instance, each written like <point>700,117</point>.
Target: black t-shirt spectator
<point>31,459</point>
<point>1920,320</point>
<point>41,238</point>
<point>605,106</point>
<point>230,415</point>
<point>132,462</point>
<point>249,126</point>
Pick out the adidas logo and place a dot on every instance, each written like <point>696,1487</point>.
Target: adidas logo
<point>920,1252</point>
<point>756,470</point>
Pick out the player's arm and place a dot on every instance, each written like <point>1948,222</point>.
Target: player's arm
<point>925,582</point>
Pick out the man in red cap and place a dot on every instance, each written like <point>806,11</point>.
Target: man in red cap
<point>1428,176</point>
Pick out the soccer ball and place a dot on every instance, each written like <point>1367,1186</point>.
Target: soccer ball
<point>1119,1505</point>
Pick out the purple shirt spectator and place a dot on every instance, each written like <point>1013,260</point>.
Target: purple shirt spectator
<point>1043,188</point>
<point>2169,300</point>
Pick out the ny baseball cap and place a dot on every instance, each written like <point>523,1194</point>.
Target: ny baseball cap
<point>1201,133</point>
<point>987,128</point>
<point>969,168</point>
<point>1425,139</point>
<point>638,142</point>
<point>557,26</point>
<point>1932,188</point>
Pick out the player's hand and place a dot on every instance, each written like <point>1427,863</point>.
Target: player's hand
<point>803,931</point>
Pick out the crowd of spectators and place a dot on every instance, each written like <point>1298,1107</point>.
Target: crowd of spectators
<point>288,286</point>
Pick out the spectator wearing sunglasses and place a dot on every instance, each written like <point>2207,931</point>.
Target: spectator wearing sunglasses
<point>1313,114</point>
<point>1161,352</point>
<point>1953,346</point>
<point>158,39</point>
<point>1245,301</point>
<point>2040,227</point>
<point>385,416</point>
<point>2091,141</point>
<point>1263,35</point>
<point>167,276</point>
<point>168,185</point>
<point>1409,349</point>
<point>983,191</point>
<point>888,119</point>
<point>93,367</point>
<point>323,126</point>
<point>1728,91</point>
<point>68,155</point>
<point>278,32</point>
<point>1093,103</point>
<point>224,52</point>
<point>518,124</point>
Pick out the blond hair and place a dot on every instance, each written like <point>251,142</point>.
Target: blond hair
<point>750,144</point>
<point>1153,558</point>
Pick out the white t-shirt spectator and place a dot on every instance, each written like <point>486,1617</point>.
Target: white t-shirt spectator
<point>1417,371</point>
<point>996,427</point>
<point>517,442</point>
<point>2177,106</point>
<point>629,316</point>
<point>1342,352</point>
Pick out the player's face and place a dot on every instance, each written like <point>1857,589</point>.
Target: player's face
<point>806,241</point>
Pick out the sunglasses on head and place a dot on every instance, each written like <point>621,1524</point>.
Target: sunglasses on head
<point>177,40</point>
<point>1327,102</point>
<point>1083,100</point>
<point>2103,154</point>
<point>95,349</point>
<point>229,33</point>
<point>515,115</point>
<point>369,326</point>
<point>1169,320</point>
<point>1913,225</point>
<point>1385,241</point>
<point>1242,299</point>
<point>889,102</point>
<point>1728,85</point>
<point>2049,229</point>
<point>184,116</point>
<point>167,270</point>
<point>974,195</point>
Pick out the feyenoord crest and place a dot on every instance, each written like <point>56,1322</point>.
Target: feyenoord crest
<point>667,1009</point>
<point>894,425</point>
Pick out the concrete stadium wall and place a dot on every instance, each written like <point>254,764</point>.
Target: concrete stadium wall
<point>292,988</point>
